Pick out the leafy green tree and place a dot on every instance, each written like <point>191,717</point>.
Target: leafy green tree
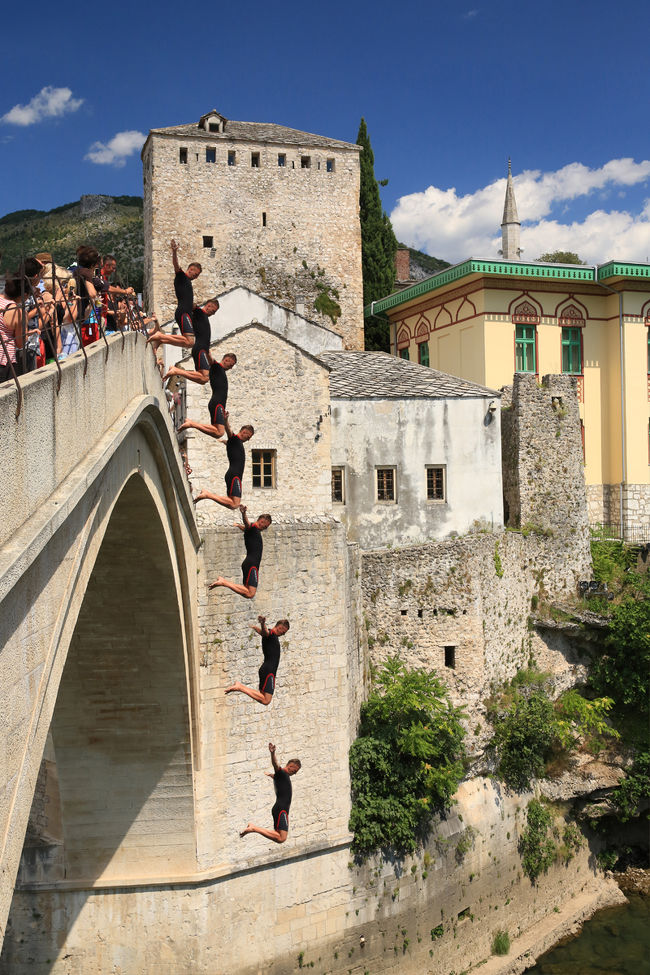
<point>524,739</point>
<point>536,846</point>
<point>378,245</point>
<point>634,790</point>
<point>560,257</point>
<point>623,668</point>
<point>407,761</point>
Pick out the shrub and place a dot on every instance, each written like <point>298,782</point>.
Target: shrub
<point>622,669</point>
<point>524,739</point>
<point>500,943</point>
<point>634,788</point>
<point>407,760</point>
<point>536,845</point>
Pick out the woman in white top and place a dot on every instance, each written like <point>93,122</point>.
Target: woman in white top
<point>11,330</point>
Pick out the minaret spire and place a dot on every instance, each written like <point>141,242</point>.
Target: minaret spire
<point>510,225</point>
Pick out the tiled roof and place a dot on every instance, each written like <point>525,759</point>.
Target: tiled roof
<point>257,132</point>
<point>377,375</point>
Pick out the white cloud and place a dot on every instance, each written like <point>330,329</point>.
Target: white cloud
<point>49,103</point>
<point>455,227</point>
<point>470,14</point>
<point>114,153</point>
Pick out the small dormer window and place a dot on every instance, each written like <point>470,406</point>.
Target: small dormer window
<point>213,126</point>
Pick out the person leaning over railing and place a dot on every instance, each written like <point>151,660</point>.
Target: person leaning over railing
<point>11,330</point>
<point>84,274</point>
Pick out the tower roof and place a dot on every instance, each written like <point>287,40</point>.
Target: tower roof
<point>510,214</point>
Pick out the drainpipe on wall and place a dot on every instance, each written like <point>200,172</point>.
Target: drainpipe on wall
<point>622,354</point>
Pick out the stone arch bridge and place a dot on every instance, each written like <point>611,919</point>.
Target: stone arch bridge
<point>98,576</point>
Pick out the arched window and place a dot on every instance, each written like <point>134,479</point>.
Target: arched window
<point>422,340</point>
<point>526,319</point>
<point>571,320</point>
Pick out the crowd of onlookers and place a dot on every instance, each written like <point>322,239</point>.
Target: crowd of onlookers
<point>47,313</point>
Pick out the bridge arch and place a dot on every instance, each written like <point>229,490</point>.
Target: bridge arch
<point>97,589</point>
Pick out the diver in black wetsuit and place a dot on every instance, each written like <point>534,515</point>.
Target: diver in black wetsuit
<point>251,564</point>
<point>183,314</point>
<point>283,792</point>
<point>218,380</point>
<point>268,670</point>
<point>201,349</point>
<point>236,460</point>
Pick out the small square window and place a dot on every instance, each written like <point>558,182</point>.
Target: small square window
<point>338,486</point>
<point>232,157</point>
<point>213,126</point>
<point>330,165</point>
<point>207,241</point>
<point>282,160</point>
<point>210,155</point>
<point>436,484</point>
<point>182,155</point>
<point>305,162</point>
<point>386,484</point>
<point>450,657</point>
<point>255,160</point>
<point>263,468</point>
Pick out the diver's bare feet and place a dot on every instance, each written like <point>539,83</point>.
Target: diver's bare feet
<point>217,582</point>
<point>170,372</point>
<point>233,687</point>
<point>201,496</point>
<point>185,425</point>
<point>247,830</point>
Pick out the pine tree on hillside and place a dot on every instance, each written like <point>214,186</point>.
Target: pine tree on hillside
<point>378,245</point>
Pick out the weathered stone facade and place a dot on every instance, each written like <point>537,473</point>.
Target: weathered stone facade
<point>543,469</point>
<point>604,505</point>
<point>284,392</point>
<point>290,232</point>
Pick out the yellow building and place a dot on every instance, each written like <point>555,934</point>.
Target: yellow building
<point>485,320</point>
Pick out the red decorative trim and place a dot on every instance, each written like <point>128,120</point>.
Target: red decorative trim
<point>466,301</point>
<point>403,337</point>
<point>448,313</point>
<point>526,298</point>
<point>571,300</point>
<point>525,314</point>
<point>422,329</point>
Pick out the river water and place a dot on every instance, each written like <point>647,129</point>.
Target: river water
<point>615,941</point>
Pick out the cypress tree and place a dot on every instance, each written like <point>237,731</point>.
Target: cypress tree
<point>378,245</point>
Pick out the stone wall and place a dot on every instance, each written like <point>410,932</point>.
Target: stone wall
<point>436,911</point>
<point>604,507</point>
<point>308,242</point>
<point>284,393</point>
<point>543,468</point>
<point>472,595</point>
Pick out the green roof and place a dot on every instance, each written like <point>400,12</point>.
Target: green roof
<point>516,269</point>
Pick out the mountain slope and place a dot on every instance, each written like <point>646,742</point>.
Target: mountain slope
<point>112,224</point>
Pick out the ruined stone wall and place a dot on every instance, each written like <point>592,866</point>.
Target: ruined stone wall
<point>543,468</point>
<point>289,233</point>
<point>472,594</point>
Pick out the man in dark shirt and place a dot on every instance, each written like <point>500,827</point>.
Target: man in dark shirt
<point>269,668</point>
<point>201,348</point>
<point>183,314</point>
<point>251,564</point>
<point>236,459</point>
<point>283,792</point>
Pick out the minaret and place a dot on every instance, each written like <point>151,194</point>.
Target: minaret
<point>510,225</point>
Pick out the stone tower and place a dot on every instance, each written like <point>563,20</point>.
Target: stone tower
<point>510,225</point>
<point>260,205</point>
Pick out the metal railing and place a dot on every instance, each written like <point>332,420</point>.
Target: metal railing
<point>49,329</point>
<point>631,534</point>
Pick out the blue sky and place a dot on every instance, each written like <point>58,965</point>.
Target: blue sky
<point>448,90</point>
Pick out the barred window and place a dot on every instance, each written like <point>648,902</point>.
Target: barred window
<point>385,484</point>
<point>210,155</point>
<point>264,468</point>
<point>435,484</point>
<point>338,485</point>
<point>232,157</point>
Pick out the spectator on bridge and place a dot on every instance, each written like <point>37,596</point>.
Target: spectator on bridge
<point>11,330</point>
<point>86,285</point>
<point>109,291</point>
<point>68,314</point>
